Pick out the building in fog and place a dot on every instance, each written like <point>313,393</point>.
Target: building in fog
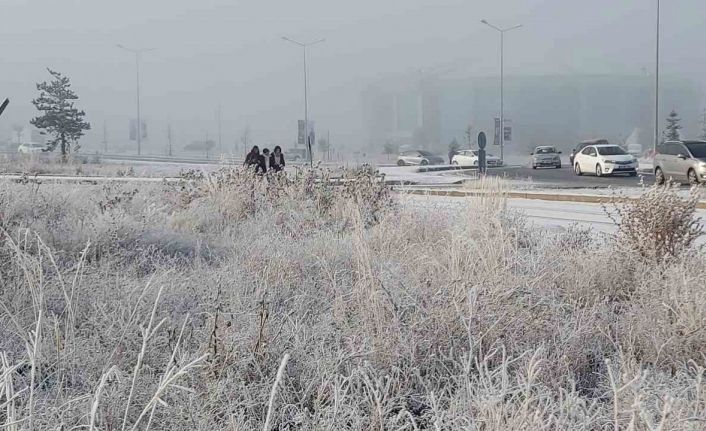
<point>404,112</point>
<point>543,110</point>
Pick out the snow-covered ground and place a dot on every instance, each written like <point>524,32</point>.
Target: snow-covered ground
<point>541,214</point>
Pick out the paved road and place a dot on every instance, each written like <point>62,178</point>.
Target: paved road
<point>565,177</point>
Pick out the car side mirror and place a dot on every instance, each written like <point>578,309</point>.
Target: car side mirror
<point>559,152</point>
<point>531,154</point>
<point>682,156</point>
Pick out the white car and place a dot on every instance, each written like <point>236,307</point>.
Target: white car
<point>419,157</point>
<point>31,148</point>
<point>605,160</point>
<point>470,158</point>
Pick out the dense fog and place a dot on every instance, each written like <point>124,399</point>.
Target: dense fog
<point>230,54</point>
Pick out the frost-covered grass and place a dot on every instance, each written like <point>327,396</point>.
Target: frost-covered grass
<point>224,301</point>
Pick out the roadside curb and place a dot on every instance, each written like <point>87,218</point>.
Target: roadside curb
<point>592,199</point>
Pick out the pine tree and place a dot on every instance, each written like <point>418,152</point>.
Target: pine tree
<point>390,149</point>
<point>60,119</point>
<point>672,133</point>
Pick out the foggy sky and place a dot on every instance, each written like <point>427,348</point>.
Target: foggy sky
<point>230,52</point>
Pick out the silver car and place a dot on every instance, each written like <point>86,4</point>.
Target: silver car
<point>545,156</point>
<point>681,161</point>
<point>419,157</point>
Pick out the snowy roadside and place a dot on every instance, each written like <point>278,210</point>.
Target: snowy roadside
<point>550,216</point>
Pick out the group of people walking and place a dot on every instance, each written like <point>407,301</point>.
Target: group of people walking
<point>265,162</point>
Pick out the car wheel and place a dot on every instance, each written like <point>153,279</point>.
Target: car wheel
<point>632,174</point>
<point>693,178</point>
<point>577,169</point>
<point>557,166</point>
<point>424,162</point>
<point>599,171</point>
<point>400,163</point>
<point>534,167</point>
<point>659,176</point>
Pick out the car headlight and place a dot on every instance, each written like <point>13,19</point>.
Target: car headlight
<point>609,162</point>
<point>702,165</point>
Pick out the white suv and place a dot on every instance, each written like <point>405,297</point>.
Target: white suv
<point>604,160</point>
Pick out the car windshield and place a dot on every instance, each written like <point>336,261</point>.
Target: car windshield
<point>545,150</point>
<point>425,153</point>
<point>697,149</point>
<point>610,151</point>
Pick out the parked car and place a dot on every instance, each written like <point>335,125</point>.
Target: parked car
<point>681,161</point>
<point>583,144</point>
<point>470,158</point>
<point>419,157</point>
<point>605,160</point>
<point>296,154</point>
<point>31,148</point>
<point>545,156</point>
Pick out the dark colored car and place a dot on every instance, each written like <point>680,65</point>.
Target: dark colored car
<point>584,144</point>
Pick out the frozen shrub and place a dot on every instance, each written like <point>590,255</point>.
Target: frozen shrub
<point>659,225</point>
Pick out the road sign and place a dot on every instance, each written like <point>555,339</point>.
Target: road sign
<point>4,105</point>
<point>496,140</point>
<point>301,133</point>
<point>133,129</point>
<point>507,134</point>
<point>481,140</point>
<point>481,152</point>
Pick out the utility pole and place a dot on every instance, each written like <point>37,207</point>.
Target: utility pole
<point>169,139</point>
<point>502,32</point>
<point>703,125</point>
<point>220,141</point>
<point>105,138</point>
<point>138,54</point>
<point>656,142</point>
<point>306,97</point>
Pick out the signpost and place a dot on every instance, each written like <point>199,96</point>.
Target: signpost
<point>481,153</point>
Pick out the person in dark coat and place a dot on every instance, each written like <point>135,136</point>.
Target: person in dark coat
<point>452,153</point>
<point>277,159</point>
<point>251,158</point>
<point>256,160</point>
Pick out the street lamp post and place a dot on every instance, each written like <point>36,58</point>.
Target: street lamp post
<point>306,97</point>
<point>657,84</point>
<point>502,32</point>
<point>138,54</point>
